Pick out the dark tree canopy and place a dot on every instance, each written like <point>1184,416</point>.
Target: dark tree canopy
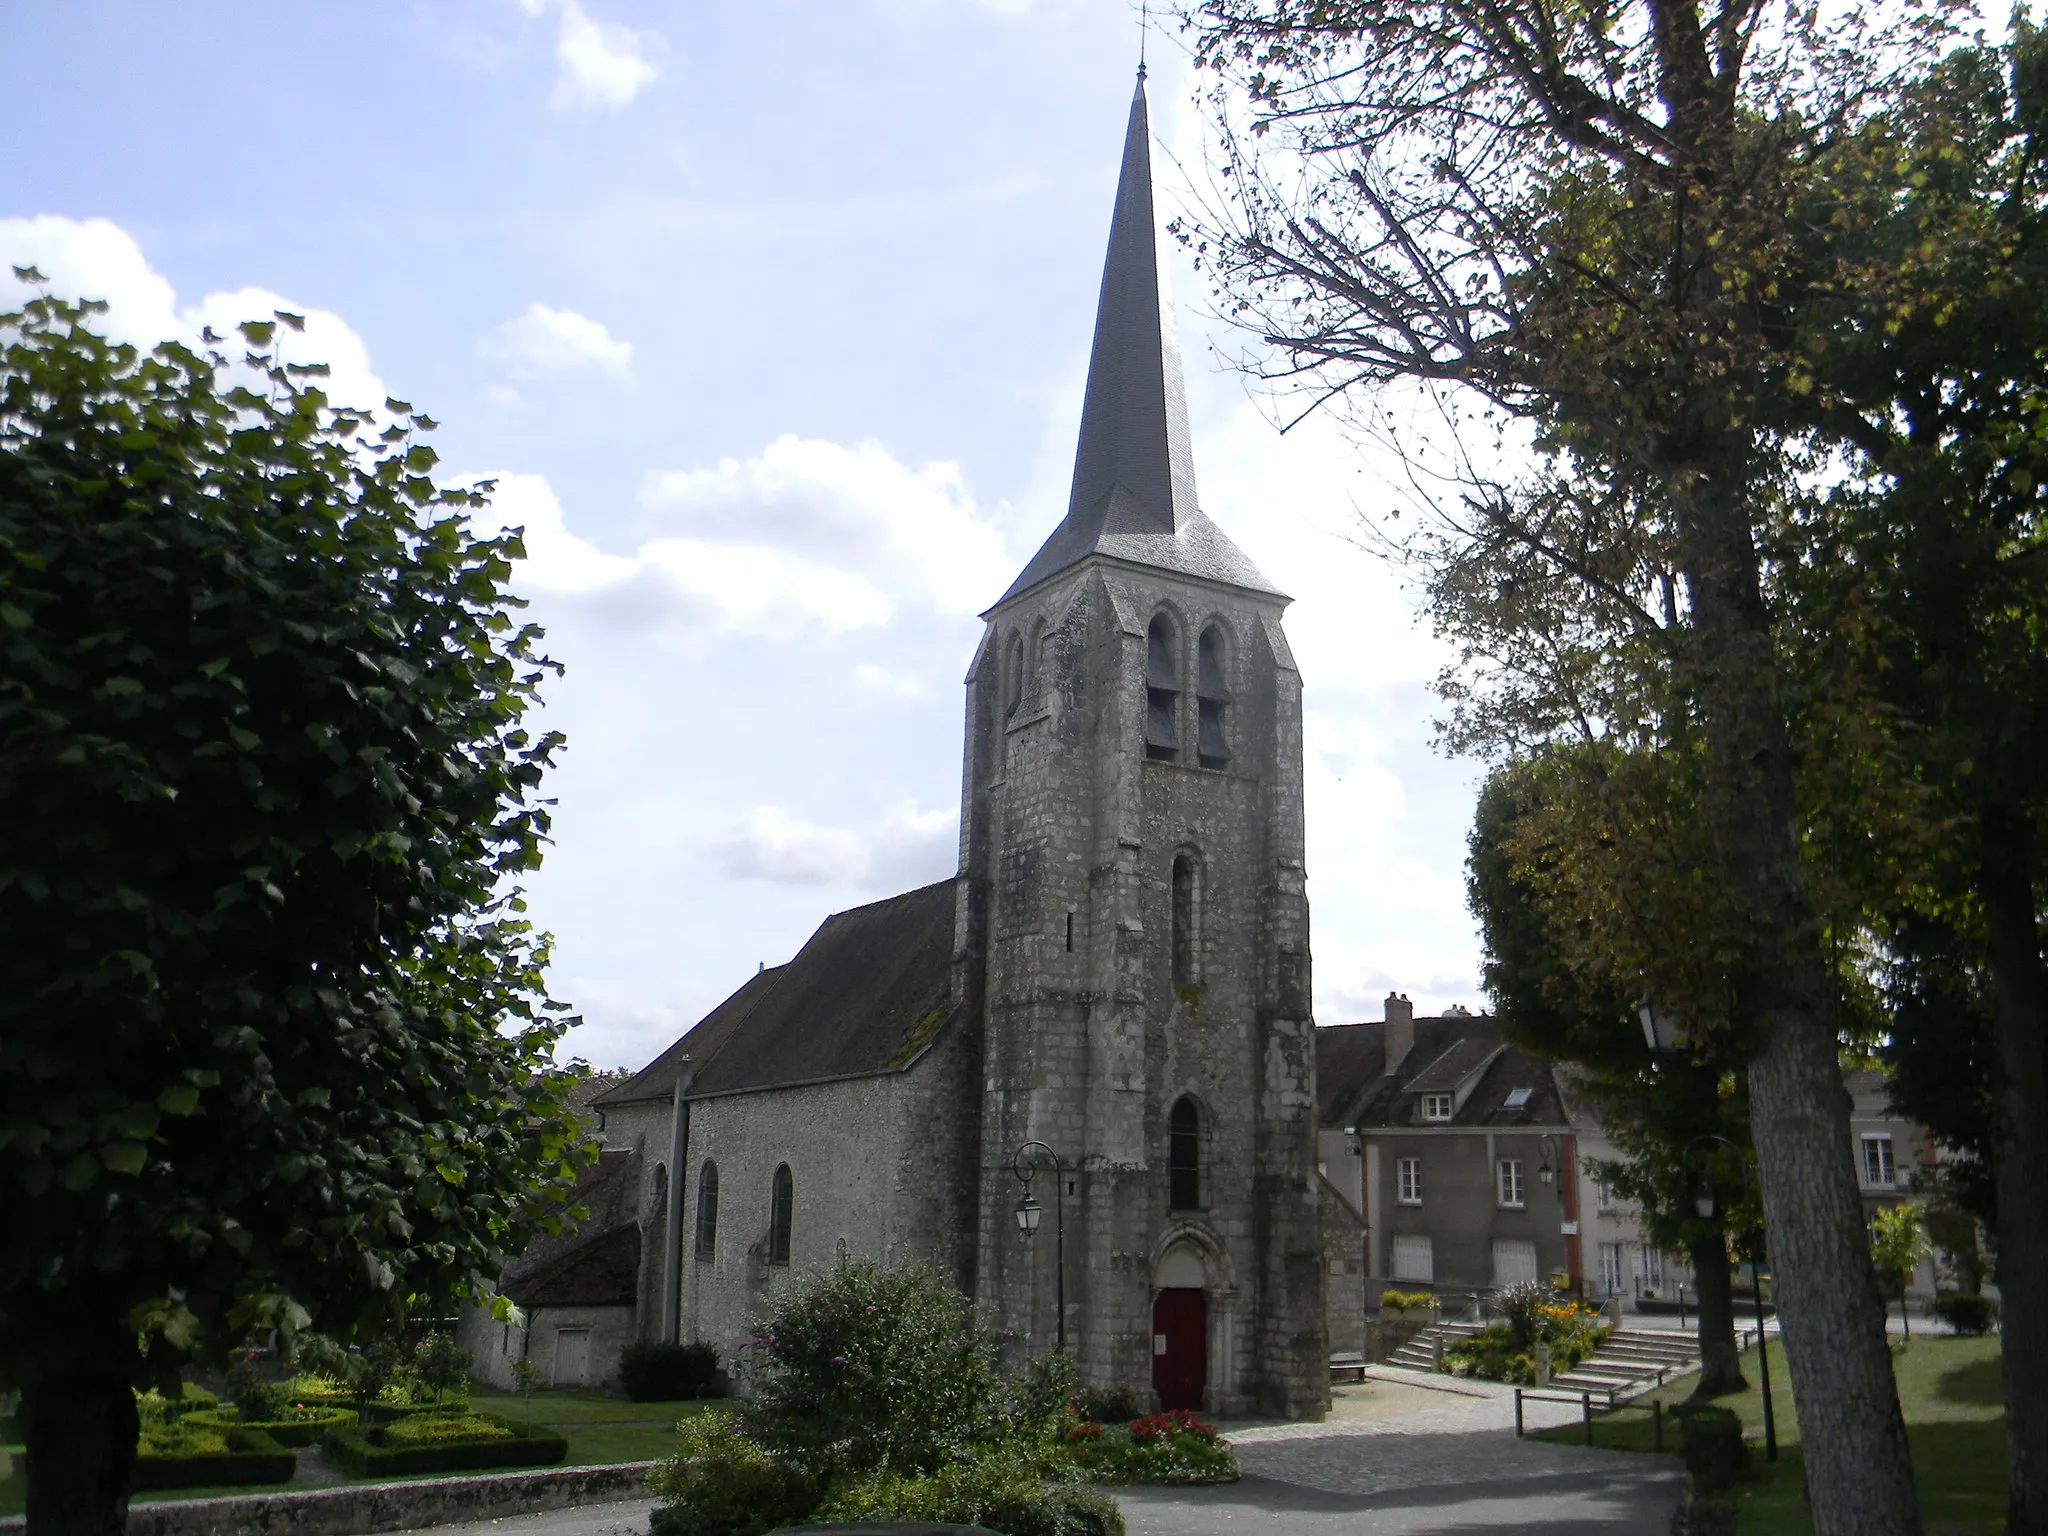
<point>274,1038</point>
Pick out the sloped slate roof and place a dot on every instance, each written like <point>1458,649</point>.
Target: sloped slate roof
<point>1353,1087</point>
<point>865,995</point>
<point>599,1263</point>
<point>1133,493</point>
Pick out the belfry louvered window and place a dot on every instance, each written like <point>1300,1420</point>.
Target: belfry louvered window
<point>1212,737</point>
<point>1162,691</point>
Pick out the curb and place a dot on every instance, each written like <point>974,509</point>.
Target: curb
<point>365,1507</point>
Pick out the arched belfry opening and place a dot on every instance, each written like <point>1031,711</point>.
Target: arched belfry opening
<point>1212,698</point>
<point>1162,691</point>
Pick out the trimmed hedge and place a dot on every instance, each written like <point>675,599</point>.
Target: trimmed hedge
<point>528,1446</point>
<point>660,1373</point>
<point>292,1432</point>
<point>251,1457</point>
<point>1965,1311</point>
<point>1710,1441</point>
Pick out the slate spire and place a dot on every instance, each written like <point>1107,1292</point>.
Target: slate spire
<point>1133,493</point>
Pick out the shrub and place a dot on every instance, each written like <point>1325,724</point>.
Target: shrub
<point>1407,1301</point>
<point>178,1456</point>
<point>256,1396</point>
<point>1710,1440</point>
<point>1570,1331</point>
<point>660,1373</point>
<point>720,1483</point>
<point>1014,1491</point>
<point>1107,1405</point>
<point>439,1429</point>
<point>439,1365</point>
<point>861,1367</point>
<point>299,1424</point>
<point>1965,1311</point>
<point>373,1452</point>
<point>1522,1305</point>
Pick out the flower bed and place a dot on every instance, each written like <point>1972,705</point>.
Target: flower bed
<point>1174,1447</point>
<point>204,1456</point>
<point>1506,1351</point>
<point>426,1442</point>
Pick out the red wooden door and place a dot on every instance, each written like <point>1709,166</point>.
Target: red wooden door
<point>1180,1348</point>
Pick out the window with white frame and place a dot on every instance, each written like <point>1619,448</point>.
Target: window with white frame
<point>1603,1198</point>
<point>1408,1181</point>
<point>1414,1259</point>
<point>1509,1180</point>
<point>1878,1169</point>
<point>1613,1268</point>
<point>1436,1106</point>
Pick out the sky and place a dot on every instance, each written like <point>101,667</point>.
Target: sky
<point>771,323</point>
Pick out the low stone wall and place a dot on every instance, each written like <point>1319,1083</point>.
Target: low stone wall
<point>1383,1336</point>
<point>366,1507</point>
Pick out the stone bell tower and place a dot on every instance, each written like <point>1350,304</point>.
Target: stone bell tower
<point>1132,927</point>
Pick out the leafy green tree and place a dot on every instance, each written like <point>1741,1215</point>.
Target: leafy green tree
<point>1898,1243</point>
<point>274,1040</point>
<point>1562,1003</point>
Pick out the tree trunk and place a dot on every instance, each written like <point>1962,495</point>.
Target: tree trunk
<point>1720,1361</point>
<point>82,1429</point>
<point>2019,1162</point>
<point>1858,1470</point>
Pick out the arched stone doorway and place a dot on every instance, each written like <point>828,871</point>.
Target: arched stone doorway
<point>1180,1330</point>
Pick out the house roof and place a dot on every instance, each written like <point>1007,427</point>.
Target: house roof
<point>1354,1088</point>
<point>598,1263</point>
<point>1133,495</point>
<point>866,995</point>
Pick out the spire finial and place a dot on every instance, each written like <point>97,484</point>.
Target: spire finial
<point>1144,26</point>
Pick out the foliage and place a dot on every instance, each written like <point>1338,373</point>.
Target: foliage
<point>1012,1489</point>
<point>1173,1447</point>
<point>1107,1405</point>
<point>190,1458</point>
<point>721,1482</point>
<point>655,1372</point>
<point>257,1396</point>
<point>1898,1239</point>
<point>436,1428</point>
<point>1967,1312</point>
<point>440,1365</point>
<point>275,1044</point>
<point>860,1367</point>
<point>1522,1305</point>
<point>1571,1331</point>
<point>296,1424</point>
<point>1407,1301</point>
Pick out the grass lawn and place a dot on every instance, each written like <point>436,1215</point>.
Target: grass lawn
<point>601,1431</point>
<point>1955,1420</point>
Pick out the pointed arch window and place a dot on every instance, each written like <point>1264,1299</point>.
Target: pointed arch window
<point>1212,699</point>
<point>1162,691</point>
<point>781,1197</point>
<point>707,1212</point>
<point>1186,911</point>
<point>1013,677</point>
<point>1184,1156</point>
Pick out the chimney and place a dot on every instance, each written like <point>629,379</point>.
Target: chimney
<point>1400,1034</point>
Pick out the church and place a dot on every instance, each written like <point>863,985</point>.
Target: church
<point>1080,1075</point>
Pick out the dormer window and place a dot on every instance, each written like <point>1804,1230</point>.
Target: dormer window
<point>1162,691</point>
<point>1212,741</point>
<point>1436,1106</point>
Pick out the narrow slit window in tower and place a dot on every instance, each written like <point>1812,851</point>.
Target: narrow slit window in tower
<point>1162,692</point>
<point>707,1211</point>
<point>1013,680</point>
<point>781,1197</point>
<point>1184,1157</point>
<point>1184,895</point>
<point>1212,740</point>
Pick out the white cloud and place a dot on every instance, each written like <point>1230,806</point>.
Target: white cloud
<point>692,587</point>
<point>914,534</point>
<point>892,685</point>
<point>774,844</point>
<point>546,340</point>
<point>601,61</point>
<point>97,259</point>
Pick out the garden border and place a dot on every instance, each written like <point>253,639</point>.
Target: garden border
<point>366,1507</point>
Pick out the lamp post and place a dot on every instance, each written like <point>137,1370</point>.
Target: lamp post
<point>1029,1213</point>
<point>1705,1203</point>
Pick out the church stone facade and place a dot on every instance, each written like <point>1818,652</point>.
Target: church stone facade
<point>1119,972</point>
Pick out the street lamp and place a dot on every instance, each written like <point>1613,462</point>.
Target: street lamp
<point>1546,1158</point>
<point>1030,1213</point>
<point>1706,1204</point>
